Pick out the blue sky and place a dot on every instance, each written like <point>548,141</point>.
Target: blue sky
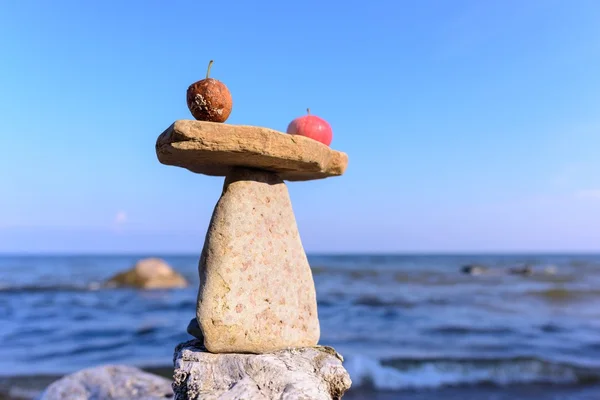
<point>470,125</point>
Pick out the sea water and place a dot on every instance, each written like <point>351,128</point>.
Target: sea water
<point>408,326</point>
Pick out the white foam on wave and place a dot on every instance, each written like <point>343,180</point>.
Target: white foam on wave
<point>365,370</point>
<point>434,374</point>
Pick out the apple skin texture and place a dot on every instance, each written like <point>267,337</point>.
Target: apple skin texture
<point>313,127</point>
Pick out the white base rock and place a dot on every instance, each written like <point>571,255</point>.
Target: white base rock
<point>289,374</point>
<point>106,382</point>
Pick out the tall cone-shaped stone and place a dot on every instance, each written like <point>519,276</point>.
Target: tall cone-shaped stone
<point>256,288</point>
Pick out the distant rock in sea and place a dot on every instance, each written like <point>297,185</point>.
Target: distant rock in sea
<point>523,270</point>
<point>149,273</point>
<point>109,382</point>
<point>474,269</point>
<point>551,270</point>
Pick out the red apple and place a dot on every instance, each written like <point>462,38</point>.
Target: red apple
<point>311,126</point>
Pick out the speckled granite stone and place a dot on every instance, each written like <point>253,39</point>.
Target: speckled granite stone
<point>257,292</point>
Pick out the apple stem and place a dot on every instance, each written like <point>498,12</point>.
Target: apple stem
<point>208,69</point>
<point>308,111</point>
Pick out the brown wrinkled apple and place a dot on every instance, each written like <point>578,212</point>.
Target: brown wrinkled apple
<point>209,99</point>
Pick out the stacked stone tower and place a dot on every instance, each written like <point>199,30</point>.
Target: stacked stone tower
<point>256,326</point>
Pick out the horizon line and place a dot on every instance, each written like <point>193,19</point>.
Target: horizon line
<point>317,253</point>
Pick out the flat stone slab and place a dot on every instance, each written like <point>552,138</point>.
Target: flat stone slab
<point>313,373</point>
<point>256,287</point>
<point>212,148</point>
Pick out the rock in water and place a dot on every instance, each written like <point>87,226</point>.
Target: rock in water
<point>109,382</point>
<point>474,269</point>
<point>256,288</point>
<point>149,273</point>
<point>314,373</point>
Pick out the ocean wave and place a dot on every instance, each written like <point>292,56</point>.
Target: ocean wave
<point>375,301</point>
<point>402,374</point>
<point>58,287</point>
<point>372,300</point>
<point>463,330</point>
<point>563,294</point>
